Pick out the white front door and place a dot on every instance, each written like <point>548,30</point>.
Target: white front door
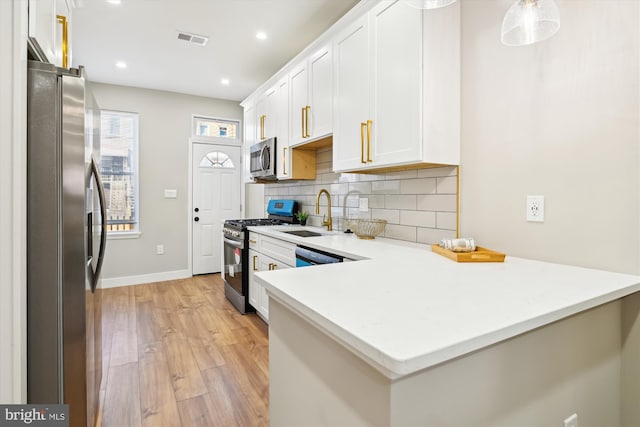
<point>216,197</point>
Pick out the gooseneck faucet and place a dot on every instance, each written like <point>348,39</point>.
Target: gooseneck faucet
<point>328,222</point>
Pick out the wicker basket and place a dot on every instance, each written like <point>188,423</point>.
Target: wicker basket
<point>367,228</point>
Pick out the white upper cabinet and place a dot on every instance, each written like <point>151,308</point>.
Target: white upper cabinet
<point>385,117</point>
<point>320,94</point>
<point>351,95</point>
<point>384,81</point>
<point>266,115</point>
<point>50,31</point>
<point>396,67</point>
<point>283,156</point>
<point>311,98</point>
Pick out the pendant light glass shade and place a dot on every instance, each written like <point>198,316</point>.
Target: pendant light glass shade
<point>530,21</point>
<point>429,4</point>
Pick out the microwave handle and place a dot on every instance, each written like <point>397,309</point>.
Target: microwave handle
<point>262,154</point>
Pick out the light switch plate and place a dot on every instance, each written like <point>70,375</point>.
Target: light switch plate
<point>170,194</point>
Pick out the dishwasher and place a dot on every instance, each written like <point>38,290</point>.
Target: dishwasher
<point>306,257</point>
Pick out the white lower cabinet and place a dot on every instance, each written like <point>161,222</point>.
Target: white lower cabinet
<point>266,253</point>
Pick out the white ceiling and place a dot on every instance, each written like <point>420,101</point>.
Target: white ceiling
<point>143,33</point>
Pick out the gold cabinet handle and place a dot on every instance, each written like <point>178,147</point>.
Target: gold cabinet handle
<point>302,121</point>
<point>306,122</point>
<point>369,122</point>
<point>262,120</point>
<point>273,266</point>
<point>62,20</point>
<point>284,160</point>
<point>255,268</point>
<point>252,241</point>
<point>362,126</point>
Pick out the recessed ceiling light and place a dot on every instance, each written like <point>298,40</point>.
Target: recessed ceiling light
<point>121,64</point>
<point>225,82</point>
<point>114,1</point>
<point>260,35</point>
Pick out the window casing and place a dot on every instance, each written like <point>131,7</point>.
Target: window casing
<point>119,170</point>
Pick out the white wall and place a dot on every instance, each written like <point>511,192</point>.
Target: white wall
<point>560,118</point>
<point>164,132</point>
<point>13,171</point>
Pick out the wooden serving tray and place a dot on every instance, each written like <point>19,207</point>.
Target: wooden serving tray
<point>479,255</point>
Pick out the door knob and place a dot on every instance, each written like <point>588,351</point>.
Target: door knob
<point>196,210</point>
<point>196,219</point>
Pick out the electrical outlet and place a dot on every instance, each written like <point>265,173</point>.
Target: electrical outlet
<point>572,421</point>
<point>535,208</point>
<point>160,249</point>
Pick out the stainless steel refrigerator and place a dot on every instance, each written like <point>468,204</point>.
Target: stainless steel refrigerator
<point>66,242</point>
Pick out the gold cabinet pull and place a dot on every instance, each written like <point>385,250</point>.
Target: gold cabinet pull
<point>262,120</point>
<point>252,241</point>
<point>369,122</point>
<point>302,121</point>
<point>284,160</point>
<point>255,268</point>
<point>306,121</point>
<point>362,126</point>
<point>62,20</point>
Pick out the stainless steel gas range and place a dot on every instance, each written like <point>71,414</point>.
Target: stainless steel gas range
<point>236,250</point>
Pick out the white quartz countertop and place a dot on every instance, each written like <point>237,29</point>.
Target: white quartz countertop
<point>403,308</point>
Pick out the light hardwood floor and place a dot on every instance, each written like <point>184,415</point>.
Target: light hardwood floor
<point>177,353</point>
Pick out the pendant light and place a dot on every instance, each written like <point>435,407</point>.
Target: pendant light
<point>530,21</point>
<point>429,4</point>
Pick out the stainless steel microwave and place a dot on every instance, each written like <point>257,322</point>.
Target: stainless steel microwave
<point>263,159</point>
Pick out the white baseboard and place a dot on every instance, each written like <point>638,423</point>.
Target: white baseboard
<point>114,282</point>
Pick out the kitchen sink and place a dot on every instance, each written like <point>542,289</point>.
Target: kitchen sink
<point>303,233</point>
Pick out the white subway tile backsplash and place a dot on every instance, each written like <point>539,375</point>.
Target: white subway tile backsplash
<point>418,186</point>
<point>393,201</point>
<point>446,220</point>
<point>434,172</point>
<point>432,236</point>
<point>385,187</point>
<point>338,189</point>
<point>419,205</point>
<point>348,177</point>
<point>376,201</point>
<point>400,232</point>
<point>440,203</point>
<point>418,218</point>
<point>447,185</point>
<point>360,187</point>
<point>391,215</point>
<point>329,177</point>
<point>401,174</point>
<point>370,177</point>
<point>323,156</point>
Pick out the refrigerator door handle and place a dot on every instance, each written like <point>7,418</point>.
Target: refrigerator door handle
<point>103,217</point>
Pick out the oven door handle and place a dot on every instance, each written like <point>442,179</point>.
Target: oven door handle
<point>233,243</point>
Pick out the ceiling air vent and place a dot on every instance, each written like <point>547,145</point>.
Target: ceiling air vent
<point>193,38</point>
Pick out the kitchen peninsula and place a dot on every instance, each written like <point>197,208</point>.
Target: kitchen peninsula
<point>405,337</point>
